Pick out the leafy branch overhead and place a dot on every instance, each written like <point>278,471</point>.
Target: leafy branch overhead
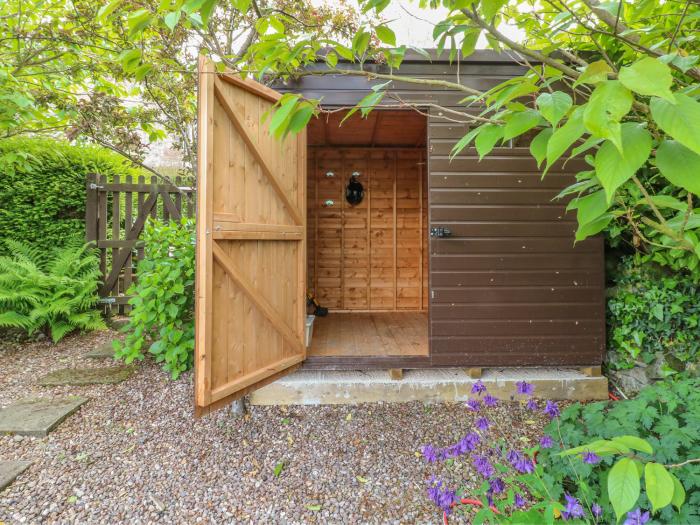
<point>613,83</point>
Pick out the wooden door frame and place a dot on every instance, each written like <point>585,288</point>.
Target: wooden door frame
<point>383,362</point>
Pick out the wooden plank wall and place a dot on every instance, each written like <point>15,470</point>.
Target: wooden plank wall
<point>372,256</point>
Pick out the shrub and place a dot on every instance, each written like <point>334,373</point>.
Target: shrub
<point>56,294</point>
<point>596,463</point>
<point>665,415</point>
<point>162,317</point>
<point>652,314</point>
<point>42,188</point>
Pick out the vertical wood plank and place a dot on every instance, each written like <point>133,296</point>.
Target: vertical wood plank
<point>128,221</point>
<point>204,257</point>
<point>103,218</point>
<point>116,228</point>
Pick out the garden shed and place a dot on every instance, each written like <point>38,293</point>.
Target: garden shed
<point>422,261</point>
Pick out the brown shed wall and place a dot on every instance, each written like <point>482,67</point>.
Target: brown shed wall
<point>508,287</point>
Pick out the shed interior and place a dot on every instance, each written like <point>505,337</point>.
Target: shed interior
<point>368,262</point>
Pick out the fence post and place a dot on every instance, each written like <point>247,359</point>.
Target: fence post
<point>91,209</point>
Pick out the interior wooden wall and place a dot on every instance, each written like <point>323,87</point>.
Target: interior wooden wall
<point>372,256</point>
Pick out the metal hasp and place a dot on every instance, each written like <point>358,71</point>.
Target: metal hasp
<point>440,231</point>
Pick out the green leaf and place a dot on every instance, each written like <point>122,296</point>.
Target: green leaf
<point>538,146</point>
<point>241,5</point>
<point>331,59</point>
<point>282,114</point>
<point>171,19</point>
<point>553,106</point>
<point>664,201</point>
<point>635,443</point>
<point>679,165</point>
<point>623,486</point>
<point>609,102</point>
<point>487,138</point>
<point>138,21</point>
<point>360,42</point>
<point>300,118</point>
<point>464,142</point>
<point>361,479</point>
<point>614,169</point>
<point>471,38</point>
<point>107,9</point>
<point>659,485</point>
<point>658,311</point>
<point>520,122</point>
<point>650,77</point>
<point>680,120</point>
<point>564,137</point>
<point>678,493</point>
<point>314,508</point>
<point>490,7</point>
<point>278,469</point>
<point>594,73</point>
<point>386,35</point>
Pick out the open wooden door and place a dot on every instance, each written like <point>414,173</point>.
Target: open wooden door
<point>251,253</point>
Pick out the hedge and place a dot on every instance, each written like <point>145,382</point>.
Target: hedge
<point>42,188</point>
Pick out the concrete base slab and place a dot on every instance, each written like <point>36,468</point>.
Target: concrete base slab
<point>86,376</point>
<point>101,352</point>
<point>311,387</point>
<point>9,470</point>
<point>37,417</point>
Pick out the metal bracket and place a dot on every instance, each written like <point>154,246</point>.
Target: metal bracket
<point>107,300</point>
<point>330,174</point>
<point>94,186</point>
<point>329,203</point>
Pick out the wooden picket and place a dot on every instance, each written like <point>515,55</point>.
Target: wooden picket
<point>115,214</point>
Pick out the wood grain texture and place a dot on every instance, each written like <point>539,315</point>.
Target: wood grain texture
<point>370,256</point>
<point>251,268</point>
<point>377,334</point>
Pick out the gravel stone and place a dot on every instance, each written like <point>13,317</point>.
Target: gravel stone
<point>135,453</point>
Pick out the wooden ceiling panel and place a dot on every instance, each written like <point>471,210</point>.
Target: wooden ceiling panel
<point>381,128</point>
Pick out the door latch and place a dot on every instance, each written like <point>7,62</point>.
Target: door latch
<point>440,231</point>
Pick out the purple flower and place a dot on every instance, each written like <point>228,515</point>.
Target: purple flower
<point>468,442</point>
<point>573,508</point>
<point>546,442</point>
<point>490,401</point>
<point>441,495</point>
<point>478,387</point>
<point>591,458</point>
<point>597,510</point>
<point>521,463</point>
<point>637,518</point>
<point>482,424</point>
<point>483,466</point>
<point>473,404</point>
<point>520,501</point>
<point>525,388</point>
<point>531,404</point>
<point>551,409</point>
<point>429,453</point>
<point>496,485</point>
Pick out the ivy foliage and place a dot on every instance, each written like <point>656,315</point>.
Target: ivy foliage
<point>56,293</point>
<point>161,321</point>
<point>42,188</point>
<point>653,317</point>
<point>666,416</point>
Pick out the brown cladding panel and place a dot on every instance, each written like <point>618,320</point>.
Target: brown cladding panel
<point>509,286</point>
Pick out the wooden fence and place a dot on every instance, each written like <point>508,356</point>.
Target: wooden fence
<point>115,214</point>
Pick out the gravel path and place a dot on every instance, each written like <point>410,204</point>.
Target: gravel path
<point>134,453</point>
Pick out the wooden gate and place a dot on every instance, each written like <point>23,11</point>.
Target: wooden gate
<point>115,214</point>
<point>251,234</point>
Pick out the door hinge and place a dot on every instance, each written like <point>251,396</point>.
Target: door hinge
<point>440,231</point>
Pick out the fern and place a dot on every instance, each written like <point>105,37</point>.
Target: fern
<point>56,294</point>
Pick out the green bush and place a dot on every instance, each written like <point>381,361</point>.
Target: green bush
<point>162,316</point>
<point>652,314</point>
<point>665,415</point>
<point>56,294</point>
<point>42,188</point>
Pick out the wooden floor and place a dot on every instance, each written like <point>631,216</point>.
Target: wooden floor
<point>372,333</point>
